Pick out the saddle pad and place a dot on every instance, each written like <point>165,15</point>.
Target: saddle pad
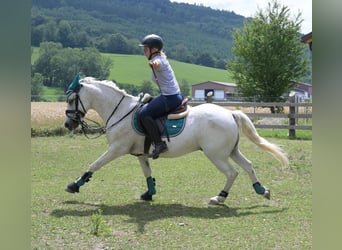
<point>174,127</point>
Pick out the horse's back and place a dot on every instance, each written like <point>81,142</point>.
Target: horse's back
<point>213,114</point>
<point>209,126</point>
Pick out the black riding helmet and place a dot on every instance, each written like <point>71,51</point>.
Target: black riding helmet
<point>152,41</point>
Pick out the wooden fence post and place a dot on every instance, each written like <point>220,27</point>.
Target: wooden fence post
<point>292,120</point>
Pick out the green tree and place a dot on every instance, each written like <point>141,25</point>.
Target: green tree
<point>205,59</point>
<point>184,87</point>
<point>65,34</point>
<point>148,87</point>
<point>94,64</point>
<point>268,57</point>
<point>117,43</point>
<point>59,65</point>
<point>36,87</point>
<point>47,51</point>
<point>181,52</point>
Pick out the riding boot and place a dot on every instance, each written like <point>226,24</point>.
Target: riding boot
<point>153,131</point>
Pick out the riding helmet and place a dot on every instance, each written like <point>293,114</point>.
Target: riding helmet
<point>152,41</point>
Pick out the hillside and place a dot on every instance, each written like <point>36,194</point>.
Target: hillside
<point>188,30</point>
<point>132,69</point>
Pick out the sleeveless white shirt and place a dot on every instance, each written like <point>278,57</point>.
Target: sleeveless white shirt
<point>165,76</point>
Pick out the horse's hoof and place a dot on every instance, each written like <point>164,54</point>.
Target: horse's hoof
<point>73,188</point>
<point>216,200</point>
<point>146,196</point>
<point>267,194</point>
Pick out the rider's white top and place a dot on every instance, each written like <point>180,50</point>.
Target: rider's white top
<point>165,76</point>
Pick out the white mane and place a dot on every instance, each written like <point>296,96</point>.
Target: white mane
<point>107,83</point>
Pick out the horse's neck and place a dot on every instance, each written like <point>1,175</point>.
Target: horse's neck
<point>105,100</point>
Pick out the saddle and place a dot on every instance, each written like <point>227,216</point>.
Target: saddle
<point>181,111</point>
<point>173,123</point>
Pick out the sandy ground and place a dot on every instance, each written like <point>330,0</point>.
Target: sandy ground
<point>47,113</point>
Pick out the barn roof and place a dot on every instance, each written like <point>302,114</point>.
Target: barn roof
<point>307,38</point>
<point>227,84</point>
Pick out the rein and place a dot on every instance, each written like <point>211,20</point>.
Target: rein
<point>99,129</point>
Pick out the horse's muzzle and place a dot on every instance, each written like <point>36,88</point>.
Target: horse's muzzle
<point>71,124</point>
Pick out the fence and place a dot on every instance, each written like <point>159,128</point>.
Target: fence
<point>293,110</point>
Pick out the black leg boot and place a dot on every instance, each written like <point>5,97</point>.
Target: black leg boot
<point>152,129</point>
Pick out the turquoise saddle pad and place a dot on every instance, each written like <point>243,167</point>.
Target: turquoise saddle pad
<point>174,127</point>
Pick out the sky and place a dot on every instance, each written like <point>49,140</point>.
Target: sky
<point>248,8</point>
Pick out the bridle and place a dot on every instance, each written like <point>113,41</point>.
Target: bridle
<point>78,116</point>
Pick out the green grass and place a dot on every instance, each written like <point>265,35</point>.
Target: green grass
<point>51,94</point>
<point>179,217</point>
<point>133,69</point>
<point>284,133</point>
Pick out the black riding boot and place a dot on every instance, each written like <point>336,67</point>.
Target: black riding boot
<point>152,130</point>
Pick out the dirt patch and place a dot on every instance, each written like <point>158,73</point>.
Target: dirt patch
<point>272,121</point>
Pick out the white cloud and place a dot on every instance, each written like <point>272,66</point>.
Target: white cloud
<point>248,8</point>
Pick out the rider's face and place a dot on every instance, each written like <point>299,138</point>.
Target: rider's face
<point>147,51</point>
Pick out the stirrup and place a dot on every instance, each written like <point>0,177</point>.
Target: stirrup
<point>159,148</point>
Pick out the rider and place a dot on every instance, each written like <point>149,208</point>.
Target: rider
<point>170,97</point>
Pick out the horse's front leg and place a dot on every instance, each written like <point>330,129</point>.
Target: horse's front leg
<point>108,156</point>
<point>151,190</point>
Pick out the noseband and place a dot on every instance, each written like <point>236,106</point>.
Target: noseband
<point>76,114</point>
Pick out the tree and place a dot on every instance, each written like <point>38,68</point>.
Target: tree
<point>268,57</point>
<point>184,87</point>
<point>117,43</point>
<point>65,34</point>
<point>43,66</point>
<point>148,87</point>
<point>181,52</point>
<point>36,87</point>
<point>205,59</point>
<point>59,65</point>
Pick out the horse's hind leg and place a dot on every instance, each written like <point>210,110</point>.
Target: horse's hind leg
<point>229,171</point>
<point>242,161</point>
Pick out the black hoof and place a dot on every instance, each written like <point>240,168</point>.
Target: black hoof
<point>146,196</point>
<point>73,188</point>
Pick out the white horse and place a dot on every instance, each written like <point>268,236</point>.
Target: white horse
<point>208,127</point>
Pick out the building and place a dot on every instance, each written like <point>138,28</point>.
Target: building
<point>307,39</point>
<point>221,90</point>
<point>303,91</point>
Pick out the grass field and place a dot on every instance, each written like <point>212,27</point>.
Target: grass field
<point>133,69</point>
<point>107,213</point>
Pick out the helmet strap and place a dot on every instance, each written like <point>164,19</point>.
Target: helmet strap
<point>153,53</point>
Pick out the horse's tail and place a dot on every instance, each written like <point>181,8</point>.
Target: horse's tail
<point>248,129</point>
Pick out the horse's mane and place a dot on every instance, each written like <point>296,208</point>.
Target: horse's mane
<point>107,83</point>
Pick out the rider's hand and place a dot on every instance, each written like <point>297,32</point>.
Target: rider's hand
<point>154,64</point>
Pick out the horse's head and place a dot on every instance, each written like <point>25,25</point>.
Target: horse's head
<point>75,111</point>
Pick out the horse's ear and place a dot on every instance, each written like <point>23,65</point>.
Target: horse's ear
<point>75,85</point>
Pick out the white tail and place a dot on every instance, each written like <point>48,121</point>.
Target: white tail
<point>248,129</point>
